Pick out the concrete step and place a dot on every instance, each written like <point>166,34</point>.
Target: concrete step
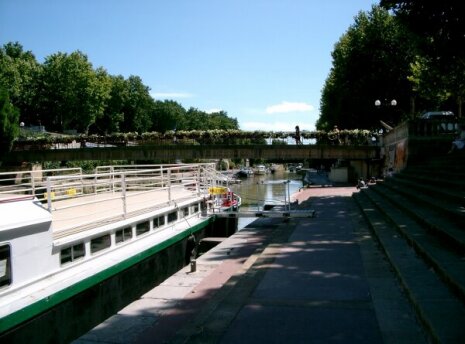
<point>443,192</point>
<point>448,209</point>
<point>444,180</point>
<point>442,172</point>
<point>449,264</point>
<point>454,160</point>
<point>441,313</point>
<point>445,230</point>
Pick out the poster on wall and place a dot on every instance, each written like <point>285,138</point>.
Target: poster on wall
<point>397,156</point>
<point>400,160</point>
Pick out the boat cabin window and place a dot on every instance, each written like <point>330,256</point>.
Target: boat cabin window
<point>185,211</point>
<point>100,243</point>
<point>72,253</point>
<point>173,216</point>
<point>122,235</point>
<point>142,227</point>
<point>5,265</point>
<point>159,221</point>
<point>195,208</point>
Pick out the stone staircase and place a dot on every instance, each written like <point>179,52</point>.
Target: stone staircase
<point>418,218</point>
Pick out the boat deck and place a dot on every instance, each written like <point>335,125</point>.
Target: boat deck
<point>79,202</point>
<point>73,215</point>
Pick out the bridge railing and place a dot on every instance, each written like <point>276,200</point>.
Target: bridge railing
<point>419,139</point>
<point>424,128</point>
<point>196,137</point>
<point>434,127</point>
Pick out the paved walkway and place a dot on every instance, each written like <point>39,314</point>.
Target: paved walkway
<point>317,280</point>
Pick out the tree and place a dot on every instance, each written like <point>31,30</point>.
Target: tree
<point>429,86</point>
<point>371,61</point>
<point>168,115</point>
<point>138,106</point>
<point>73,94</point>
<point>66,93</point>
<point>439,31</point>
<point>196,120</point>
<point>19,72</point>
<point>9,122</point>
<point>221,120</point>
<point>113,114</point>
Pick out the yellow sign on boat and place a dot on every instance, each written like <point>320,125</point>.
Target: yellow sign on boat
<point>218,190</point>
<point>71,192</point>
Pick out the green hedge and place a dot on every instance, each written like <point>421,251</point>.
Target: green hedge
<point>349,137</point>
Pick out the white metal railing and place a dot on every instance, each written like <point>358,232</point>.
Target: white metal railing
<point>116,191</point>
<point>79,201</point>
<point>211,177</point>
<point>32,182</point>
<point>76,199</point>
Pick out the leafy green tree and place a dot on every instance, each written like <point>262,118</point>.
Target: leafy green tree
<point>371,61</point>
<point>196,120</point>
<point>73,94</point>
<point>137,108</point>
<point>67,93</point>
<point>429,86</point>
<point>113,114</point>
<point>168,115</point>
<point>439,31</point>
<point>221,120</point>
<point>19,73</point>
<point>9,122</point>
<point>200,120</point>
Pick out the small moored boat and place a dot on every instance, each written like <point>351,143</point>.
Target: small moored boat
<point>260,169</point>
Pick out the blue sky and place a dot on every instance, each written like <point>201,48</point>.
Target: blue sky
<point>264,62</point>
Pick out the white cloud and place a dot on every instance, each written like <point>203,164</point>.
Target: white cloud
<point>285,107</point>
<point>171,95</point>
<point>275,126</point>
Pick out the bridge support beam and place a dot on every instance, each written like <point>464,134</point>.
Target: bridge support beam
<point>174,152</point>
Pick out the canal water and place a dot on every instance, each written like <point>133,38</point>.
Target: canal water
<point>255,190</point>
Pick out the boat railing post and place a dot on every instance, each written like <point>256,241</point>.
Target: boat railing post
<point>33,184</point>
<point>123,192</point>
<point>258,200</point>
<point>112,176</point>
<point>198,180</point>
<point>49,195</point>
<point>169,185</point>
<point>162,176</point>
<point>285,195</point>
<point>289,194</point>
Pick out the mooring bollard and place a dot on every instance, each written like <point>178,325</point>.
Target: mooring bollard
<point>193,265</point>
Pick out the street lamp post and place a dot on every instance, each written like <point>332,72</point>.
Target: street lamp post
<point>379,103</point>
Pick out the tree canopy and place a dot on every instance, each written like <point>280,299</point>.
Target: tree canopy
<point>9,122</point>
<point>370,62</point>
<point>407,50</point>
<point>72,92</point>
<point>66,93</point>
<point>438,29</point>
<point>410,51</point>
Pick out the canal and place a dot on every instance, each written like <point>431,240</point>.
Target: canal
<point>255,190</point>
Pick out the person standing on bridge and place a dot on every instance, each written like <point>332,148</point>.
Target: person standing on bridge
<point>297,135</point>
<point>335,136</point>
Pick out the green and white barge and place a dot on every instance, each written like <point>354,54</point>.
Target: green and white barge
<point>75,247</point>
